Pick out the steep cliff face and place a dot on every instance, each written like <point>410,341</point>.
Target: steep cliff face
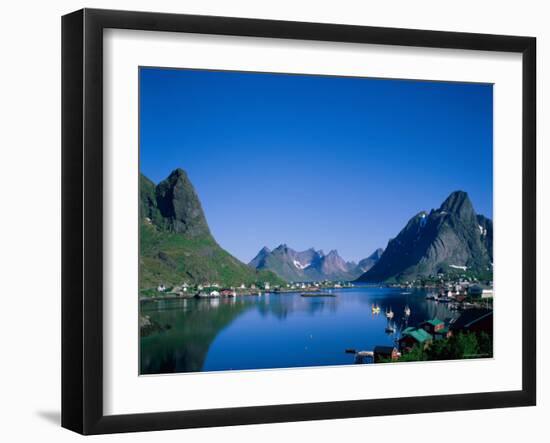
<point>450,238</point>
<point>176,245</point>
<point>486,232</point>
<point>179,205</point>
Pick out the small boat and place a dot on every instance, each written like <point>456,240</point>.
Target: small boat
<point>390,329</point>
<point>389,314</point>
<point>406,293</point>
<point>407,311</point>
<point>375,309</point>
<point>430,296</point>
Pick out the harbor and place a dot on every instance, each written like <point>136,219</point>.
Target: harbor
<point>278,330</point>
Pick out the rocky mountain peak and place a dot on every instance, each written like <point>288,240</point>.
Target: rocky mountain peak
<point>179,205</point>
<point>169,212</point>
<point>449,238</point>
<point>458,203</point>
<point>283,249</point>
<point>376,254</point>
<point>259,260</point>
<point>367,263</point>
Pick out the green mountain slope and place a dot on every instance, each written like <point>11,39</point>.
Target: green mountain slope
<point>176,245</point>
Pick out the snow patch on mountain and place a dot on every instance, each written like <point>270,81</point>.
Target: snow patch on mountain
<point>300,265</point>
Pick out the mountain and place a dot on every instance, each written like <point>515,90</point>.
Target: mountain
<point>367,263</point>
<point>176,244</point>
<point>308,265</point>
<point>451,239</point>
<point>260,257</point>
<point>486,231</point>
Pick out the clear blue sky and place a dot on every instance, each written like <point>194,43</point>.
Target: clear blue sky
<point>329,162</point>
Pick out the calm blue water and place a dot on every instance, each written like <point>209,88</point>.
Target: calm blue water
<point>276,331</point>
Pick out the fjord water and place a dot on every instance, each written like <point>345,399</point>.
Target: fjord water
<point>276,330</point>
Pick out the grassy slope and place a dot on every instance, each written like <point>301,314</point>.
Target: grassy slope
<point>172,259</point>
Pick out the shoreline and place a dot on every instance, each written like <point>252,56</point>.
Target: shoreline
<point>254,293</point>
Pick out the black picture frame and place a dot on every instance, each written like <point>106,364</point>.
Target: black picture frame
<point>82,218</point>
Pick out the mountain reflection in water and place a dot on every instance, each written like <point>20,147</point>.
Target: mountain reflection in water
<point>276,331</point>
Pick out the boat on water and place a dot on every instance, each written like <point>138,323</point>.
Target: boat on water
<point>375,309</point>
<point>389,314</point>
<point>431,296</point>
<point>406,293</point>
<point>390,329</point>
<point>407,311</point>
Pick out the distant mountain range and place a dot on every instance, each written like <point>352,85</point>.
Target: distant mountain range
<point>451,239</point>
<point>311,264</point>
<point>176,245</point>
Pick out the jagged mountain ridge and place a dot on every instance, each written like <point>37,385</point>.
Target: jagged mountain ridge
<point>309,265</point>
<point>450,238</point>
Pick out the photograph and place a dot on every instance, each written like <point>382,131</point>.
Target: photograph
<point>291,220</point>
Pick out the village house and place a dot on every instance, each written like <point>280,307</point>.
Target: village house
<point>161,288</point>
<point>411,337</point>
<point>432,326</point>
<point>383,353</point>
<point>436,328</point>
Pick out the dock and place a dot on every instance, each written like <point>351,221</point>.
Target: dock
<point>317,294</point>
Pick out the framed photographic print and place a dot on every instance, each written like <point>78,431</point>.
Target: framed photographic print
<point>269,221</point>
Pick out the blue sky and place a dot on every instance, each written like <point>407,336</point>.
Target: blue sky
<point>329,162</point>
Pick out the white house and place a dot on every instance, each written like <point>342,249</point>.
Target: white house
<point>161,288</point>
